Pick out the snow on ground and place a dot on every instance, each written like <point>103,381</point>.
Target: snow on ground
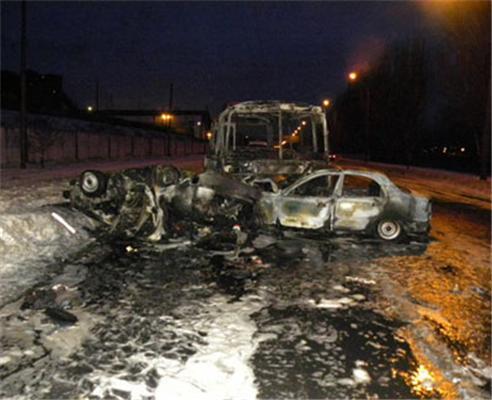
<point>219,370</point>
<point>28,231</point>
<point>31,237</point>
<point>448,290</point>
<point>219,367</point>
<point>436,184</point>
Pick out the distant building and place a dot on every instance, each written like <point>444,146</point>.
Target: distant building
<point>44,93</point>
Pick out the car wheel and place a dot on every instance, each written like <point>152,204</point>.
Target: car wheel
<point>93,183</point>
<point>389,230</point>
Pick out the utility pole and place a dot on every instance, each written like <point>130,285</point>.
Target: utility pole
<point>23,89</point>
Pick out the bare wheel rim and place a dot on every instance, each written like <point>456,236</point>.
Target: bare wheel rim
<point>389,230</point>
<point>90,182</point>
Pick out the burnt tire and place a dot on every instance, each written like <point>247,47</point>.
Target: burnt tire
<point>389,230</point>
<point>165,176</point>
<point>93,183</point>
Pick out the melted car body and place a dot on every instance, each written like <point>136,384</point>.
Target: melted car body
<point>347,200</point>
<point>143,201</point>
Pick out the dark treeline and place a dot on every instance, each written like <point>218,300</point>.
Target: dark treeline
<point>424,103</point>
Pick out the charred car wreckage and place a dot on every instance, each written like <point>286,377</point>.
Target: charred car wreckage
<point>153,202</point>
<point>255,175</point>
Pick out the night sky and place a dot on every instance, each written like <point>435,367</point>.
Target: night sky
<point>213,52</point>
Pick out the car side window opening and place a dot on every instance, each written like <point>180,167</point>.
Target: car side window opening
<point>360,186</point>
<point>322,186</point>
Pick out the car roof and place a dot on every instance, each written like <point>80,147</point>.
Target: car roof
<point>377,176</point>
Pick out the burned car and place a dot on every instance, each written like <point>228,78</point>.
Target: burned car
<point>148,201</point>
<point>270,139</point>
<point>335,200</point>
<point>145,202</point>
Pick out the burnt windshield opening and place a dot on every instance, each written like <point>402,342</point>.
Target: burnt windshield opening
<point>271,130</point>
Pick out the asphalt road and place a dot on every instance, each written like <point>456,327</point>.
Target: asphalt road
<point>291,316</point>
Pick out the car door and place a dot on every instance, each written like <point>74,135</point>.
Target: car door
<point>361,200</point>
<point>308,205</point>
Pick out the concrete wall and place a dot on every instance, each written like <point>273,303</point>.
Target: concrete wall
<point>54,140</point>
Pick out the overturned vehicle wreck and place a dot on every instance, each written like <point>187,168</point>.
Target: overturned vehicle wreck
<point>148,202</point>
<point>144,202</point>
<point>270,139</point>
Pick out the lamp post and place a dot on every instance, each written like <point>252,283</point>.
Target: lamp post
<point>353,77</point>
<point>326,124</point>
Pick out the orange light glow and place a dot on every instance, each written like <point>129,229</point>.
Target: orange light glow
<point>209,135</point>
<point>166,117</point>
<point>326,103</point>
<point>353,76</point>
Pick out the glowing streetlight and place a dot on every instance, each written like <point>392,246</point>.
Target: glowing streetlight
<point>166,117</point>
<point>209,135</point>
<point>353,76</point>
<point>89,108</point>
<point>326,103</point>
<point>304,122</point>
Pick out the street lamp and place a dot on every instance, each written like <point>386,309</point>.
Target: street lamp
<point>89,108</point>
<point>365,95</point>
<point>326,103</point>
<point>353,76</point>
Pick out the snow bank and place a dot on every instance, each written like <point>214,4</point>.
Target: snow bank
<point>31,238</point>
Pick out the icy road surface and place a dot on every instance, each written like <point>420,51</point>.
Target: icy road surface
<point>295,316</point>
